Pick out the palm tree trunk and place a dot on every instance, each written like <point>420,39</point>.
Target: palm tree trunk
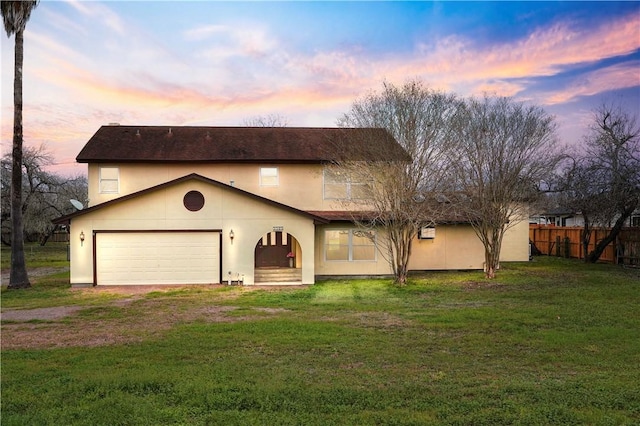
<point>18,277</point>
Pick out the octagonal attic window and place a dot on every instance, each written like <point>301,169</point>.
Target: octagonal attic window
<point>193,201</point>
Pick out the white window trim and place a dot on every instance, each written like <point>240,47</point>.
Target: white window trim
<point>277,176</point>
<point>350,246</point>
<point>117,180</point>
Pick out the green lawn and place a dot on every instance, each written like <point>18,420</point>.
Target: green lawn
<point>552,341</point>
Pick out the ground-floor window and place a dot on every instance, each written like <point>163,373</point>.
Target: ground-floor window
<point>349,245</point>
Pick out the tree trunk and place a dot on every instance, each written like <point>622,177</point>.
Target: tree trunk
<point>586,237</point>
<point>401,241</point>
<point>401,277</point>
<point>18,277</point>
<point>401,265</point>
<point>491,263</point>
<point>492,241</point>
<point>594,256</point>
<point>45,238</point>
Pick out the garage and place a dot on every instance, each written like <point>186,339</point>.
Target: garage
<point>162,257</point>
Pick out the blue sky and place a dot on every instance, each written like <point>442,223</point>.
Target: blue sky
<point>89,63</point>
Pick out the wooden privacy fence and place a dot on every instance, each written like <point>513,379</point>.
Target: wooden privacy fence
<point>56,237</point>
<point>59,237</point>
<point>567,242</point>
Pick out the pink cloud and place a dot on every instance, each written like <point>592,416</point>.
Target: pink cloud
<point>458,63</point>
<point>611,78</point>
<point>239,72</point>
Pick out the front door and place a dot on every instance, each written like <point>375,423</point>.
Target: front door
<point>272,250</point>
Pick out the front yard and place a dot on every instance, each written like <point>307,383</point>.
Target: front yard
<point>552,341</point>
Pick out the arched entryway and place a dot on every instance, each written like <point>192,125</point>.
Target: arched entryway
<point>278,258</point>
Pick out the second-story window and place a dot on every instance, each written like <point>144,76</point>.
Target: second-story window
<point>268,176</point>
<point>109,180</point>
<point>341,185</point>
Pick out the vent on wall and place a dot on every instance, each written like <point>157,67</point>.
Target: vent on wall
<point>427,233</point>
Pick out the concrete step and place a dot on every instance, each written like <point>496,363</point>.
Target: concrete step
<point>278,275</point>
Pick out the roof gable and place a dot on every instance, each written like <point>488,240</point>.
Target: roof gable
<point>67,218</point>
<point>237,144</point>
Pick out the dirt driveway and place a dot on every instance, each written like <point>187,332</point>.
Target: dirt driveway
<point>130,318</point>
<point>33,272</point>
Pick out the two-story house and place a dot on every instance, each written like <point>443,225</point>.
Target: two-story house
<point>201,205</point>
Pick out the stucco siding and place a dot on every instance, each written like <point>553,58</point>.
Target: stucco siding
<point>299,185</point>
<point>223,210</point>
<point>515,245</point>
<point>454,247</point>
<point>81,265</point>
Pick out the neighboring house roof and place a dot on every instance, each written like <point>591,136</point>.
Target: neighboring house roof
<point>123,144</point>
<point>557,213</point>
<point>193,176</point>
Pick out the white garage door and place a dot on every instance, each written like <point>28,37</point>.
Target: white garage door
<point>158,258</point>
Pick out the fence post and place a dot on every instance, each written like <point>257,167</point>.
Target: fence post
<point>558,249</point>
<point>567,247</point>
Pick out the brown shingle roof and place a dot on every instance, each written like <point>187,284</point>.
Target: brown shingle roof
<point>451,218</point>
<point>236,144</point>
<point>343,215</point>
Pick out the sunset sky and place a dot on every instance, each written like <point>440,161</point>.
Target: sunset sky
<point>90,63</point>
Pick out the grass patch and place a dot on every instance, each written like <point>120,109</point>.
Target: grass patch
<point>48,270</point>
<point>549,342</point>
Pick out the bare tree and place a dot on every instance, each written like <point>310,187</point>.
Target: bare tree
<point>15,15</point>
<point>604,183</point>
<point>580,192</point>
<point>271,120</point>
<point>402,196</point>
<point>507,149</point>
<point>45,195</point>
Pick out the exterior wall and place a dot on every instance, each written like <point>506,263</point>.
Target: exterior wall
<point>515,244</point>
<point>454,247</point>
<point>300,185</point>
<point>458,247</point>
<point>224,210</point>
